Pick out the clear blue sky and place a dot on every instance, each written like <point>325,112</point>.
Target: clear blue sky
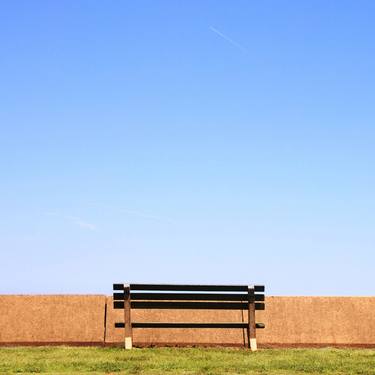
<point>187,141</point>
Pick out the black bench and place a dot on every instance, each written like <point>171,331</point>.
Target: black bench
<point>206,297</point>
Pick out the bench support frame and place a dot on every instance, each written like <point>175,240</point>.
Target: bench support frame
<point>164,296</point>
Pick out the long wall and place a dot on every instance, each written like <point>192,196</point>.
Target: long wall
<point>89,320</point>
<point>40,319</point>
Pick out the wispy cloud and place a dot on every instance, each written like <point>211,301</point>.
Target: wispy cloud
<point>81,223</point>
<point>141,214</point>
<point>75,220</point>
<point>228,39</point>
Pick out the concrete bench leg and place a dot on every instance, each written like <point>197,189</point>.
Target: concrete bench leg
<point>128,343</point>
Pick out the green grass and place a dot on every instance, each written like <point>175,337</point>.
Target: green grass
<point>84,360</point>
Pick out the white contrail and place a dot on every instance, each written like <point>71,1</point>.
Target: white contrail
<point>133,212</point>
<point>231,41</point>
<point>81,223</point>
<point>74,219</point>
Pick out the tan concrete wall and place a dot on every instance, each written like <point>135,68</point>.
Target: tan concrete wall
<point>52,319</point>
<point>318,320</point>
<point>290,321</point>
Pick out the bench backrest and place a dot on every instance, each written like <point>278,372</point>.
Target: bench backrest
<point>172,296</point>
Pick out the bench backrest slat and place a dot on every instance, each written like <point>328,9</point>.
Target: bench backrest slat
<point>175,305</point>
<point>189,296</point>
<point>190,287</point>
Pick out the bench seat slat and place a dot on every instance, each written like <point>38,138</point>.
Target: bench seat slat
<point>194,305</point>
<point>186,325</point>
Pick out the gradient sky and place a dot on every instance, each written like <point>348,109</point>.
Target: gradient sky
<point>187,141</point>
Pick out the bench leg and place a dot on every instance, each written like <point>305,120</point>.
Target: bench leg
<point>127,318</point>
<point>253,344</point>
<point>128,343</point>
<point>251,320</point>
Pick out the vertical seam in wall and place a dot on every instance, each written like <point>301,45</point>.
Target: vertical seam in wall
<point>105,321</point>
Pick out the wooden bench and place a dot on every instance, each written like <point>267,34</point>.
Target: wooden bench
<point>206,297</point>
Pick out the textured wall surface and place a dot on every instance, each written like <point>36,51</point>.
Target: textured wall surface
<point>52,319</point>
<point>319,320</point>
<point>290,321</point>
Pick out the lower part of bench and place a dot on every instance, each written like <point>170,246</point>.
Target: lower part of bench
<point>128,339</point>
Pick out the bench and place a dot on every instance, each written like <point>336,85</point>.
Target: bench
<point>195,297</point>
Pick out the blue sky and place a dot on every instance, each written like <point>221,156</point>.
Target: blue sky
<point>187,141</point>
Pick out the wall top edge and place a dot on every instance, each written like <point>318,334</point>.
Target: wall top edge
<point>104,295</point>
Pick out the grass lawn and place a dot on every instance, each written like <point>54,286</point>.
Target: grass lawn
<point>84,360</point>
